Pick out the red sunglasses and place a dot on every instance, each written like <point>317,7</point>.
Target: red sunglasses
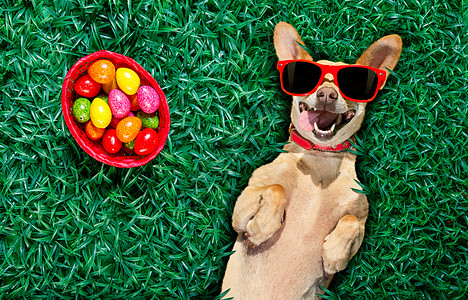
<point>357,83</point>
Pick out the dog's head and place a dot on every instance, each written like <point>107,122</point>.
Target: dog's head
<point>325,117</point>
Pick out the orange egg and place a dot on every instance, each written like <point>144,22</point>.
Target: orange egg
<point>93,132</point>
<point>102,71</point>
<point>128,129</point>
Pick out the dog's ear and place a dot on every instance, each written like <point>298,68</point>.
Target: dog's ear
<point>287,40</point>
<point>382,54</point>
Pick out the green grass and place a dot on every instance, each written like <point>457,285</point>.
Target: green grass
<point>71,227</point>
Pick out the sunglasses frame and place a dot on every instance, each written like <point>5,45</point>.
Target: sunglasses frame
<point>329,69</point>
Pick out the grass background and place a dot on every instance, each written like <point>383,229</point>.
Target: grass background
<point>71,227</point>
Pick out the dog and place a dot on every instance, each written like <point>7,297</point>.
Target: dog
<point>300,219</point>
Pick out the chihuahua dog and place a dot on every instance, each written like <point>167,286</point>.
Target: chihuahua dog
<point>300,219</point>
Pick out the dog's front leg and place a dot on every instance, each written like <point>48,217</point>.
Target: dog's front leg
<point>259,211</point>
<point>342,243</point>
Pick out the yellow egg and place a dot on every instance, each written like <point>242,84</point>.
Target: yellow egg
<point>127,80</point>
<point>100,113</point>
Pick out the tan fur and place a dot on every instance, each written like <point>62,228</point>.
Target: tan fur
<point>299,220</point>
<point>382,54</point>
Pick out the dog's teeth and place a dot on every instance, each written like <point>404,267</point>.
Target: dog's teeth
<point>318,130</point>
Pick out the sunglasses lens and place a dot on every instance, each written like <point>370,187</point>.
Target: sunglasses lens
<point>300,77</point>
<point>357,82</point>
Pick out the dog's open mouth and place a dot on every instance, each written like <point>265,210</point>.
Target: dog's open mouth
<point>321,122</point>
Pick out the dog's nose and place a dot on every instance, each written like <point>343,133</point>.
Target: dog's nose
<point>326,95</point>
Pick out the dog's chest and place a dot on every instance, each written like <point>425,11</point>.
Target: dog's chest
<point>317,205</point>
<point>289,266</point>
<point>312,210</point>
<point>311,213</point>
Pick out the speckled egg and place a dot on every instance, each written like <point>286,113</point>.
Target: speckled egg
<point>128,129</point>
<point>104,97</point>
<point>127,80</point>
<point>100,113</point>
<point>148,120</point>
<point>81,109</point>
<point>102,71</point>
<point>148,99</point>
<point>129,147</point>
<point>119,104</point>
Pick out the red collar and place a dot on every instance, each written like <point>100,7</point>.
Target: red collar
<point>308,145</point>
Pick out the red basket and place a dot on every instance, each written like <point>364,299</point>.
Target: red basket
<point>94,148</point>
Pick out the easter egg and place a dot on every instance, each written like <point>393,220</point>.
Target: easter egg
<point>114,122</point>
<point>101,114</point>
<point>146,141</point>
<point>148,120</point>
<point>81,109</point>
<point>148,99</point>
<point>107,87</point>
<point>119,104</point>
<point>110,142</point>
<point>85,86</point>
<point>127,80</point>
<point>93,132</point>
<point>104,97</point>
<point>102,71</point>
<point>134,102</point>
<point>128,129</point>
<point>129,147</point>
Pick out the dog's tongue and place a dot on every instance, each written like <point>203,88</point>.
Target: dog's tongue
<point>322,117</point>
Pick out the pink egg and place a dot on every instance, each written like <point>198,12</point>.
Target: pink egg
<point>119,104</point>
<point>148,99</point>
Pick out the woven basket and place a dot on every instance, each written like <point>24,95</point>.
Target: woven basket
<point>94,148</point>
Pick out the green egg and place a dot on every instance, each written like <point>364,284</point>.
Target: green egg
<point>129,147</point>
<point>104,97</point>
<point>81,109</point>
<point>148,120</point>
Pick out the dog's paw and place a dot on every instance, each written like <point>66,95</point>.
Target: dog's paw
<point>263,219</point>
<point>259,231</point>
<point>337,246</point>
<point>335,257</point>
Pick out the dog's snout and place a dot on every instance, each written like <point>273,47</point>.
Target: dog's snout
<point>327,95</point>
